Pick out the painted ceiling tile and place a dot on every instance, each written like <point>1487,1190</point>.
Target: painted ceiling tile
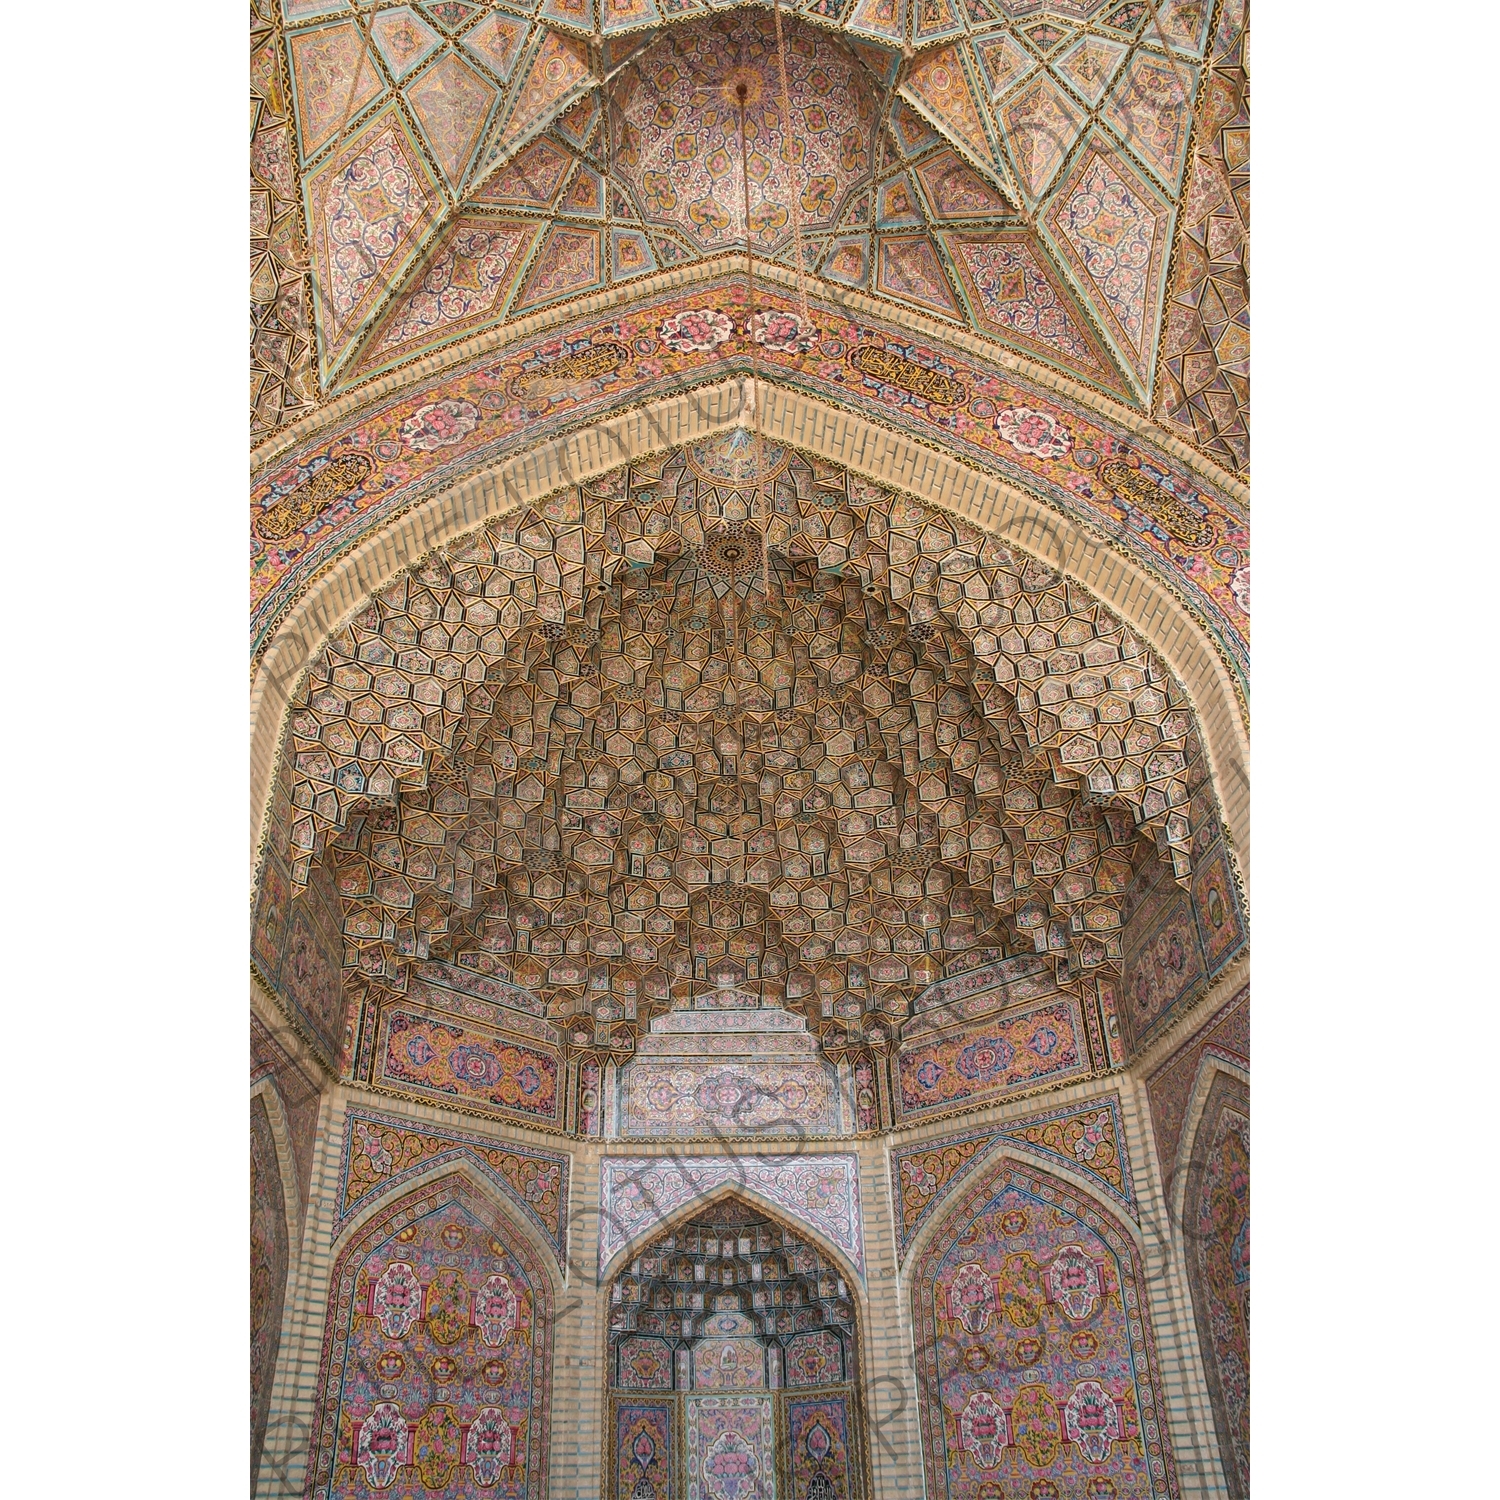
<point>1151,111</point>
<point>576,123</point>
<point>531,179</point>
<point>1040,125</point>
<point>682,159</point>
<point>912,131</point>
<point>934,20</point>
<point>333,80</point>
<point>584,195</point>
<point>1184,23</point>
<point>849,260</point>
<point>451,102</point>
<point>630,254</point>
<point>910,269</point>
<point>575,14</point>
<point>1113,227</point>
<point>1126,18</point>
<point>560,67</point>
<point>1088,65</point>
<point>1046,36</point>
<point>570,262</point>
<point>897,205</point>
<point>1004,62</point>
<point>265,78</point>
<point>306,10</point>
<point>972,163</point>
<point>460,289</point>
<point>449,14</point>
<point>371,205</point>
<point>1016,294</point>
<point>625,15</point>
<point>404,40</point>
<point>496,41</point>
<point>956,191</point>
<point>884,20</point>
<point>939,87</point>
<point>881,62</point>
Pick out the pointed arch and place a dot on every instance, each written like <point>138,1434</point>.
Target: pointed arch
<point>1210,1065</point>
<point>996,505</point>
<point>480,1179</point>
<point>275,1239</point>
<point>711,1197</point>
<point>440,1272</point>
<point>766,1363</point>
<point>1211,1214</point>
<point>990,1158</point>
<point>1033,1352</point>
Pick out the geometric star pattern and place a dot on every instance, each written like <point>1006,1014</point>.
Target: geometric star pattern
<point>969,117</point>
<point>1204,388</point>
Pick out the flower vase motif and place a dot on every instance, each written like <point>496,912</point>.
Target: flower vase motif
<point>731,1469</point>
<point>398,1299</point>
<point>440,424</point>
<point>496,1310</point>
<point>782,332</point>
<point>972,1296</point>
<point>1092,1420</point>
<point>1033,432</point>
<point>488,1448</point>
<point>1073,1281</point>
<point>699,330</point>
<point>381,1448</point>
<point>981,1429</point>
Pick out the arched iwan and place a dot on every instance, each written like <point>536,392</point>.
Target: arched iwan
<point>1036,1367</point>
<point>734,1336</point>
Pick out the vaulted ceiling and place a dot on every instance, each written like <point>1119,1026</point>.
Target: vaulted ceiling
<point>732,715</point>
<point>1068,180</point>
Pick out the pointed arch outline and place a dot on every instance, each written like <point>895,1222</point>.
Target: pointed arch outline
<point>1212,1063</point>
<point>458,1152</point>
<point>858,1294</point>
<point>684,1213</point>
<point>479,1179</point>
<point>994,504</point>
<point>1026,1156</point>
<point>363,1234</point>
<point>1123,1238</point>
<point>266,1091</point>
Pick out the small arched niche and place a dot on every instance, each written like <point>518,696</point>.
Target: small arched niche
<point>733,1365</point>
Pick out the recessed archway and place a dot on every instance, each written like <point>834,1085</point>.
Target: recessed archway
<point>733,1364</point>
